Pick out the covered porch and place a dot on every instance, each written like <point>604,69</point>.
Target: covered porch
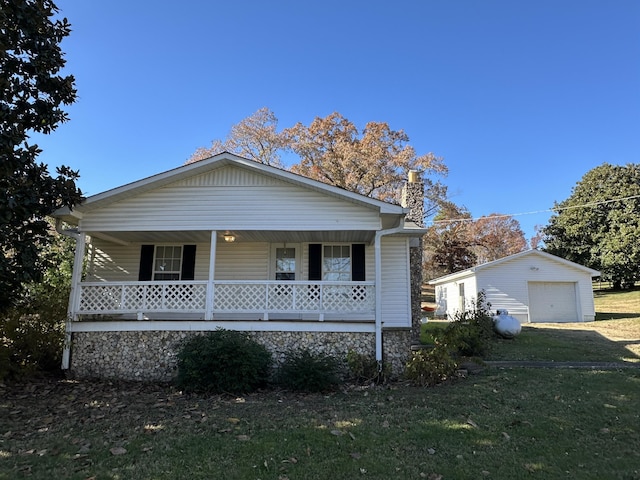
<point>225,275</point>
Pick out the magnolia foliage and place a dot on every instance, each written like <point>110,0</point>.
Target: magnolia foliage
<point>32,94</point>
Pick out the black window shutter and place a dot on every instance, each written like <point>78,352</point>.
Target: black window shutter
<point>145,272</point>
<point>188,262</point>
<point>315,261</point>
<point>357,262</point>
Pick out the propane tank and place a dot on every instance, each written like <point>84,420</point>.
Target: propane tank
<point>506,325</point>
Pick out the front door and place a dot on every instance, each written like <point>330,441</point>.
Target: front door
<point>285,264</point>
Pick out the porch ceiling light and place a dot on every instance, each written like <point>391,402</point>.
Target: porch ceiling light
<point>229,238</point>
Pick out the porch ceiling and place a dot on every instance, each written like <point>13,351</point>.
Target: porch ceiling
<point>342,236</point>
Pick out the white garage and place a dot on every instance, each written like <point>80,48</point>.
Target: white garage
<point>532,286</point>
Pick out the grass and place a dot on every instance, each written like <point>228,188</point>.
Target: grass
<point>613,337</point>
<point>499,424</point>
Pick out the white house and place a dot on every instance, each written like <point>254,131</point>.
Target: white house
<point>232,243</point>
<point>532,286</point>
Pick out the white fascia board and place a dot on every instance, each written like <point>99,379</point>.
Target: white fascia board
<point>453,276</point>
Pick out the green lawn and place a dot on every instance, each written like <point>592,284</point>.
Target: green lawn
<point>499,424</point>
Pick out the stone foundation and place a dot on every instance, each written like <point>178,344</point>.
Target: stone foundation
<point>151,355</point>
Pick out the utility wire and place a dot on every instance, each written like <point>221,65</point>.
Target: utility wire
<point>555,209</point>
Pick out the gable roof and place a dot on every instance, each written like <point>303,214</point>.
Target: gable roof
<point>527,253</point>
<point>218,161</point>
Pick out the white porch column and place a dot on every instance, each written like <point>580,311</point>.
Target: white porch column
<point>208,312</point>
<point>378,269</point>
<point>74,297</point>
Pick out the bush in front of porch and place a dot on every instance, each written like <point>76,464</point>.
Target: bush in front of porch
<point>223,361</point>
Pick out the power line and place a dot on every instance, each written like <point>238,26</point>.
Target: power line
<point>555,209</point>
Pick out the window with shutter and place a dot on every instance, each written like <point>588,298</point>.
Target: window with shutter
<point>167,262</point>
<point>337,263</point>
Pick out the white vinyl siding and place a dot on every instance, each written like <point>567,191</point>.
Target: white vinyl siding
<point>396,291</point>
<point>232,199</point>
<point>108,262</point>
<point>242,261</point>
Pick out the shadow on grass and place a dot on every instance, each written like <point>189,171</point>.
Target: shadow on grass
<point>614,316</point>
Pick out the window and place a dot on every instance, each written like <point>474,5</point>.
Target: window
<point>336,263</point>
<point>167,263</point>
<point>285,263</point>
<point>461,299</point>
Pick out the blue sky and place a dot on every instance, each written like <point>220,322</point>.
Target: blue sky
<point>520,98</point>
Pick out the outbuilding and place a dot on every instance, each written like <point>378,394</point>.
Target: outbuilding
<point>533,286</point>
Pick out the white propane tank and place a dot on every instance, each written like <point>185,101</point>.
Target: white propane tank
<point>506,325</point>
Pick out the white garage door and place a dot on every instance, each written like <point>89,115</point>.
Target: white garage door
<point>553,302</point>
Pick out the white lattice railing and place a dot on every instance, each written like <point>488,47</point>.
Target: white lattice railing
<point>229,297</point>
<point>295,297</point>
<point>132,297</point>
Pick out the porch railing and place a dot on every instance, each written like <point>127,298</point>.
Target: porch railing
<point>243,296</point>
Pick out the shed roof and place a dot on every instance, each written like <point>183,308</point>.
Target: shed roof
<point>471,271</point>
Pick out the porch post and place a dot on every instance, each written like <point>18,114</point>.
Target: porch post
<point>378,289</point>
<point>208,312</point>
<point>74,297</point>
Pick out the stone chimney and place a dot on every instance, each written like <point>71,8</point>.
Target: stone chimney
<point>413,199</point>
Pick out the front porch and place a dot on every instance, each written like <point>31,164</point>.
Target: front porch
<point>226,300</point>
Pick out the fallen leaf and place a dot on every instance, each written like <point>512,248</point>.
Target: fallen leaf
<point>337,433</point>
<point>355,455</point>
<point>506,436</point>
<point>431,451</point>
<point>233,420</point>
<point>472,423</point>
<point>118,451</point>
<point>242,438</point>
<point>385,424</point>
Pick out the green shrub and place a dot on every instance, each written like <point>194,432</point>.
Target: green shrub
<point>32,330</point>
<point>365,369</point>
<point>470,334</point>
<point>430,366</point>
<point>223,361</point>
<point>306,371</point>
<point>31,342</point>
<point>36,341</point>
